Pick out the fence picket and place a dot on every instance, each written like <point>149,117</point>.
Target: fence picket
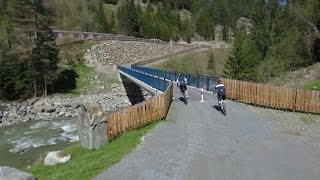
<point>108,128</point>
<point>317,100</point>
<point>148,111</point>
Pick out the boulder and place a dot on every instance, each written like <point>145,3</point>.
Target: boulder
<point>92,126</point>
<point>48,108</point>
<point>57,104</point>
<point>75,106</point>
<point>56,157</point>
<point>23,110</point>
<point>14,174</point>
<point>16,150</point>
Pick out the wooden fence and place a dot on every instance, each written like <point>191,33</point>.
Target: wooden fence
<point>273,96</point>
<point>139,115</point>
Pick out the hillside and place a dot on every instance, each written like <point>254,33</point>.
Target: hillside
<point>307,78</point>
<point>196,62</point>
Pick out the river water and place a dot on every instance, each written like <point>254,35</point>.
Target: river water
<point>36,138</point>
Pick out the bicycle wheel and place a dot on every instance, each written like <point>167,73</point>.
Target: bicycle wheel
<point>224,110</point>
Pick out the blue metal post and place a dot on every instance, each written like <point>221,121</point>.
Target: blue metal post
<point>198,81</point>
<point>158,83</point>
<point>207,83</point>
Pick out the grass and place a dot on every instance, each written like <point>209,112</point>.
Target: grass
<point>307,120</point>
<point>72,58</point>
<point>85,75</point>
<point>86,164</point>
<point>315,85</point>
<point>87,81</point>
<point>195,62</point>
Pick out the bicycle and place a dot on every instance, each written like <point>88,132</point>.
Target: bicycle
<point>185,99</point>
<point>222,106</point>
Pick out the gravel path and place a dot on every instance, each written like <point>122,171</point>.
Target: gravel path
<point>198,142</point>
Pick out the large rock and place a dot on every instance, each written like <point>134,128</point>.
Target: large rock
<point>23,110</point>
<point>14,174</point>
<point>56,157</point>
<point>92,126</point>
<point>16,150</point>
<point>48,108</point>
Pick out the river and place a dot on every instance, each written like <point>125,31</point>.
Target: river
<point>36,138</point>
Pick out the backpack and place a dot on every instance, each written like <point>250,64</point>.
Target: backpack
<point>182,80</point>
<point>221,90</point>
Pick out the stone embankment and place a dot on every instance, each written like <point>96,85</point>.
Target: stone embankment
<point>124,52</point>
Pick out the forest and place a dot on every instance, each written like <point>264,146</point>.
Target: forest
<point>284,34</point>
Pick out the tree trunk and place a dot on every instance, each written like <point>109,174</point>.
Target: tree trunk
<point>45,86</point>
<point>35,87</point>
<point>9,38</point>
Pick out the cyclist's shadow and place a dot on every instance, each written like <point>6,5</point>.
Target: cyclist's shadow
<point>216,107</point>
<point>183,100</point>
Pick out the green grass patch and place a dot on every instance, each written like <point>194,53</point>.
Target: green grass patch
<point>79,78</point>
<point>315,85</point>
<point>307,120</point>
<point>86,164</point>
<point>71,53</point>
<point>85,74</point>
<point>91,81</point>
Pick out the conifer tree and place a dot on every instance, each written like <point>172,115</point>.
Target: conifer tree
<point>244,58</point>
<point>211,64</point>
<point>45,52</point>
<point>101,17</point>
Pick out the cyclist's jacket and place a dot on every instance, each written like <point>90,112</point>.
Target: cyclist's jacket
<point>220,90</point>
<point>182,81</point>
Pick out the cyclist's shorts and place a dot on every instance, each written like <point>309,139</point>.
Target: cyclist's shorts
<point>183,87</point>
<point>220,97</point>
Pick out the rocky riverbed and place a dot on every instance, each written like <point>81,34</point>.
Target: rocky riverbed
<point>62,106</point>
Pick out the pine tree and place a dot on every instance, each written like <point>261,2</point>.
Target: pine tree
<point>211,64</point>
<point>244,58</point>
<point>128,19</point>
<point>45,53</point>
<point>205,24</point>
<point>101,17</point>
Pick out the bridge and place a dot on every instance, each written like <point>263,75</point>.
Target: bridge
<point>197,142</point>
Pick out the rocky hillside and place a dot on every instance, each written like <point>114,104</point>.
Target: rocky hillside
<point>124,52</point>
<point>302,78</point>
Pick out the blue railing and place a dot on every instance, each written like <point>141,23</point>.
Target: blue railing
<point>208,83</point>
<point>155,82</point>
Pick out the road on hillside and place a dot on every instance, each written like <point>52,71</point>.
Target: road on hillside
<point>198,142</point>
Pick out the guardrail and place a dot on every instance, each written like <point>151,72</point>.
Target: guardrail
<point>139,115</point>
<point>93,36</point>
<point>155,82</point>
<point>198,81</point>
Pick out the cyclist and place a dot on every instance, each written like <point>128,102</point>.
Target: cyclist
<point>221,91</point>
<point>182,83</point>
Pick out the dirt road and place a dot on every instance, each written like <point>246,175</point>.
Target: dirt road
<point>198,142</point>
